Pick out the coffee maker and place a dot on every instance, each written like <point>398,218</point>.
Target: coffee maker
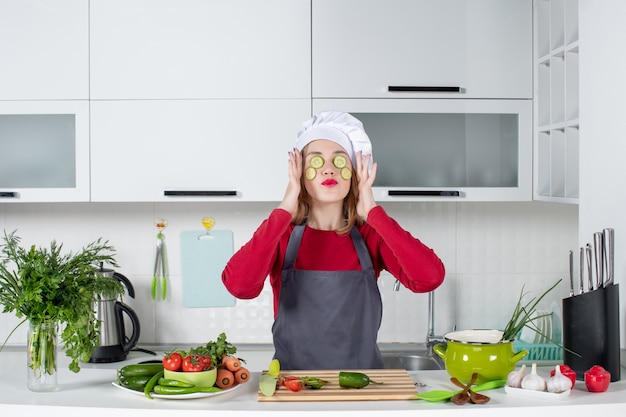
<point>113,344</point>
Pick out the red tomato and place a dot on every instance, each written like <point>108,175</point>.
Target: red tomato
<point>294,385</point>
<point>172,361</point>
<point>205,361</point>
<point>192,364</point>
<point>568,372</point>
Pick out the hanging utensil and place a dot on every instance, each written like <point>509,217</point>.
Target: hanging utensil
<point>598,246</point>
<point>609,255</point>
<point>159,277</point>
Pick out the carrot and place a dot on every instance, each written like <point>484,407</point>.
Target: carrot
<point>242,375</point>
<point>225,378</point>
<point>231,363</point>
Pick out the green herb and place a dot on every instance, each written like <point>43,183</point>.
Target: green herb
<point>523,314</point>
<point>216,349</point>
<point>45,286</point>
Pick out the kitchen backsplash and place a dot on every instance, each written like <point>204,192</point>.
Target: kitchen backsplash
<point>491,251</point>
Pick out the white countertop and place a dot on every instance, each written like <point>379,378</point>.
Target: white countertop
<point>90,393</point>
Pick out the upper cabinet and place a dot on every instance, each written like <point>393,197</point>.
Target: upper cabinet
<point>556,101</point>
<point>196,49</point>
<point>422,49</point>
<point>192,150</point>
<point>44,151</point>
<point>44,52</point>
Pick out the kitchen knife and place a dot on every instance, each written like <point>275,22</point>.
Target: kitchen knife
<point>599,258</point>
<point>609,255</point>
<point>581,286</point>
<point>589,268</point>
<point>571,273</point>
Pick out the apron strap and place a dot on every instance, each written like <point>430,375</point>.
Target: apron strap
<point>296,237</point>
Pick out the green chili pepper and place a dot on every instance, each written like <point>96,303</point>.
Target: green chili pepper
<point>355,380</point>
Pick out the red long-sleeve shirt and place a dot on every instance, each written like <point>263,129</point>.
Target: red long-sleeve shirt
<point>391,248</point>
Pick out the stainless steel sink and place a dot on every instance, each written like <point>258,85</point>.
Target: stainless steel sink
<point>410,361</point>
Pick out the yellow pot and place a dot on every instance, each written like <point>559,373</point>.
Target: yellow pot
<point>478,351</point>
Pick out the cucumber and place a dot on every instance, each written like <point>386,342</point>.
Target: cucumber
<point>139,369</point>
<point>340,161</point>
<point>317,162</point>
<point>346,173</point>
<point>310,173</point>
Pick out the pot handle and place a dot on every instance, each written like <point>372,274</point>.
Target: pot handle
<point>134,337</point>
<point>519,355</point>
<point>441,350</point>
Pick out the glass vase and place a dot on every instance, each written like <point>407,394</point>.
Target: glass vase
<point>42,356</point>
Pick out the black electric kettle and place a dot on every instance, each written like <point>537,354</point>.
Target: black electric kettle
<point>114,345</point>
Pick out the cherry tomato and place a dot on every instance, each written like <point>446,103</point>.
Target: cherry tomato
<point>192,364</point>
<point>172,361</point>
<point>597,379</point>
<point>205,361</point>
<point>568,372</point>
<point>294,385</point>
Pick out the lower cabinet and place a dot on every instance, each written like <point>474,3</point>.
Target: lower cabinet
<point>192,150</point>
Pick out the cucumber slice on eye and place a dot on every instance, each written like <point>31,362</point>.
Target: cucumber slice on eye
<point>317,162</point>
<point>346,173</point>
<point>340,161</point>
<point>310,173</point>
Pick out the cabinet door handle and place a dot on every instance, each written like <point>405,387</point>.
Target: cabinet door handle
<point>423,193</point>
<point>424,88</point>
<point>8,194</point>
<point>199,193</point>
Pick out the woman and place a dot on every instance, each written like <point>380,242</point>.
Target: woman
<point>324,247</point>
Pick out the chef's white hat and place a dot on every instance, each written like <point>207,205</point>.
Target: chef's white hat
<point>339,127</point>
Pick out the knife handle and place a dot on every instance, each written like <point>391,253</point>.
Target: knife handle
<point>581,284</point>
<point>589,268</point>
<point>609,255</point>
<point>598,245</point>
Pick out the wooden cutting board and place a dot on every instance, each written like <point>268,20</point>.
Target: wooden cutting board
<point>396,385</point>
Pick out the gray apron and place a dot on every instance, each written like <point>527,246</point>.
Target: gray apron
<point>328,319</point>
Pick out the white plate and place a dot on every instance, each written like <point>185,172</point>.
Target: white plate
<point>542,395</point>
<point>180,396</point>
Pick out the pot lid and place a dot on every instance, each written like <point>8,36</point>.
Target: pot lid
<point>475,336</point>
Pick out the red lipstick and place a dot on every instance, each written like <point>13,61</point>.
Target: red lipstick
<point>329,182</point>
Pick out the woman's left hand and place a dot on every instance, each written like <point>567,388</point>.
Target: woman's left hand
<point>365,180</point>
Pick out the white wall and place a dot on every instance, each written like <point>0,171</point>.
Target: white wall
<point>603,129</point>
<point>490,251</point>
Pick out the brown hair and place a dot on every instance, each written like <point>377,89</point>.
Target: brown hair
<point>349,204</point>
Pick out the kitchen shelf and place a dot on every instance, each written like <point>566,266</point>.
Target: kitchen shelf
<point>556,106</point>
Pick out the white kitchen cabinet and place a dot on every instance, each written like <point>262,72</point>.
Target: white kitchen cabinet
<point>44,151</point>
<point>556,130</point>
<point>196,49</point>
<point>446,150</point>
<point>44,50</point>
<point>423,48</point>
<point>192,150</point>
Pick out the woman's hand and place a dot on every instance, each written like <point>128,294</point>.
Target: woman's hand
<point>365,181</point>
<point>290,199</point>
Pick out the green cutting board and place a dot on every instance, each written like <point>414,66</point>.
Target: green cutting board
<point>203,258</point>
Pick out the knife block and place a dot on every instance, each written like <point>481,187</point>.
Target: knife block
<point>591,329</point>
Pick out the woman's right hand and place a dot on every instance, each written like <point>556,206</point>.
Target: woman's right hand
<point>290,199</point>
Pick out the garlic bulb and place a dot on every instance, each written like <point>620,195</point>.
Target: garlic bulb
<point>514,379</point>
<point>534,381</point>
<point>559,382</point>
